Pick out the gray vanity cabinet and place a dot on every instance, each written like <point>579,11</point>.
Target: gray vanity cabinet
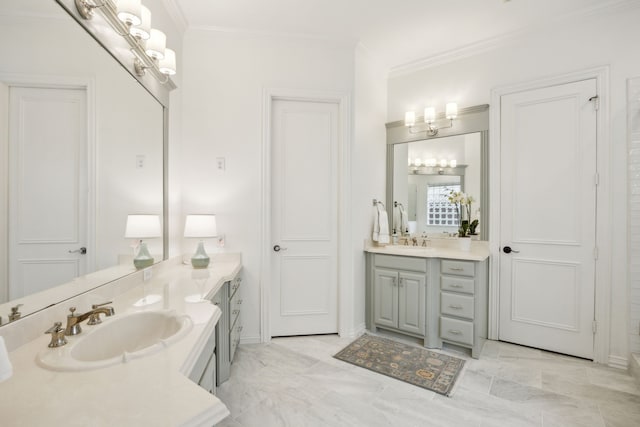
<point>438,300</point>
<point>399,293</point>
<point>229,327</point>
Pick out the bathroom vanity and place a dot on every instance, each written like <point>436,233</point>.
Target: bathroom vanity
<point>438,293</point>
<point>169,383</point>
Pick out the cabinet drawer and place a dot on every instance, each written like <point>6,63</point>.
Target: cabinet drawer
<point>235,304</point>
<point>457,284</point>
<point>460,268</point>
<point>456,305</point>
<point>201,363</point>
<point>456,330</point>
<point>234,339</point>
<point>401,262</point>
<point>234,285</point>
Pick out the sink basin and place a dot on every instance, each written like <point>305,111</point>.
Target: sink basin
<point>117,340</point>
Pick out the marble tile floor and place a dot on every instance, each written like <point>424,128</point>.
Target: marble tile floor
<point>296,382</point>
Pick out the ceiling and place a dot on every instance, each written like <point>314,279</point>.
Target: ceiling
<point>400,33</point>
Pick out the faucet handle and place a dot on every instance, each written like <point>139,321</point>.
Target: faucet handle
<point>57,335</point>
<point>15,314</point>
<point>94,318</point>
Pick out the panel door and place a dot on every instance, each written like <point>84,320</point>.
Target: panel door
<point>411,302</point>
<point>47,187</point>
<point>385,288</point>
<point>548,218</point>
<point>304,288</point>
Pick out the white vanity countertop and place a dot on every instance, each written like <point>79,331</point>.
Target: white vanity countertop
<point>153,390</point>
<point>446,248</point>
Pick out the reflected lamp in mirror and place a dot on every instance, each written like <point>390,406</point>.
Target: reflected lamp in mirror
<point>430,119</point>
<point>200,226</point>
<point>142,227</point>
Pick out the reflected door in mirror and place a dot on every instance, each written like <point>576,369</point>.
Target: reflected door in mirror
<point>47,187</point>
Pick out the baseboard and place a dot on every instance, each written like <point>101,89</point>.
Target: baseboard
<point>250,340</point>
<point>634,366</point>
<point>618,362</point>
<point>355,332</point>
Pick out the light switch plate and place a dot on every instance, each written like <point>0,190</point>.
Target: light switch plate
<point>220,164</point>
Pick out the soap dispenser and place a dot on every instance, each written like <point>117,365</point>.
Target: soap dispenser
<point>394,237</point>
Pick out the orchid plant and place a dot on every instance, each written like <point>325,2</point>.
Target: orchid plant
<point>463,202</point>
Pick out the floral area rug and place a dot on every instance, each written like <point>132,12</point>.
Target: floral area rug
<point>417,366</point>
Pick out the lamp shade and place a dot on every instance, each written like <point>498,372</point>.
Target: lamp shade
<point>142,226</point>
<point>451,110</point>
<point>167,65</point>
<point>129,11</point>
<point>429,114</point>
<point>200,226</point>
<point>410,118</point>
<point>156,44</point>
<point>143,29</point>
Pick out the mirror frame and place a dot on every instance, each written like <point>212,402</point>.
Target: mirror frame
<point>470,120</point>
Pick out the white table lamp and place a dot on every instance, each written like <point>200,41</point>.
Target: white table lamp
<point>200,226</point>
<point>143,227</point>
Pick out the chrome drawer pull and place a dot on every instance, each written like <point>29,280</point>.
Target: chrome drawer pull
<point>235,312</point>
<point>239,302</point>
<point>455,306</point>
<point>455,285</point>
<point>455,332</point>
<point>456,269</point>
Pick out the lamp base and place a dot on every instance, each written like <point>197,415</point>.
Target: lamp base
<point>144,258</point>
<point>200,259</point>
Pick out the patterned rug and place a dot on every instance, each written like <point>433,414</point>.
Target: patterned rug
<point>417,366</point>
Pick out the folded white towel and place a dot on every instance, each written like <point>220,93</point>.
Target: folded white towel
<point>6,370</point>
<point>380,225</point>
<point>383,223</point>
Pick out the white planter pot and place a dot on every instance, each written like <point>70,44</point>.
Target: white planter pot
<point>464,243</point>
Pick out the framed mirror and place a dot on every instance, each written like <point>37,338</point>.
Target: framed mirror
<point>85,147</point>
<point>423,170</point>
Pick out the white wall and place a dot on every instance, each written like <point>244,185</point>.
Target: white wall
<point>576,45</point>
<point>368,165</point>
<point>224,78</point>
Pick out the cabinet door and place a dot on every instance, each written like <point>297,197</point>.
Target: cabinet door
<point>386,297</point>
<point>411,302</point>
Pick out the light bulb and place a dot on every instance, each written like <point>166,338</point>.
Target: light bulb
<point>429,115</point>
<point>410,118</point>
<point>443,163</point>
<point>451,110</point>
<point>129,11</point>
<point>142,30</point>
<point>453,163</point>
<point>156,44</point>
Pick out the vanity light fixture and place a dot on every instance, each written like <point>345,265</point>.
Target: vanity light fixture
<point>430,119</point>
<point>132,21</point>
<point>200,226</point>
<point>142,226</point>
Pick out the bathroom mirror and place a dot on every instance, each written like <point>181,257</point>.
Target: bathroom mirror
<point>422,170</point>
<point>57,196</point>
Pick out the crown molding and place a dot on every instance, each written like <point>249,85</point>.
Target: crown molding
<point>492,43</point>
<point>176,14</point>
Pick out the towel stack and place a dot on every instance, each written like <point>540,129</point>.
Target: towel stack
<point>380,225</point>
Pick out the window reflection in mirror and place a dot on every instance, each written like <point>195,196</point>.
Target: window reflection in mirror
<point>422,183</point>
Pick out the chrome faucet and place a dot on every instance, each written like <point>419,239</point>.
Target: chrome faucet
<point>74,320</point>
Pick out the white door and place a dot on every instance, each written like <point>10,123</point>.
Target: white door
<point>548,218</point>
<point>47,187</point>
<point>304,298</point>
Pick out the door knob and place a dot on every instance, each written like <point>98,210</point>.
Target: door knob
<point>278,248</point>
<point>81,251</point>
<point>508,250</point>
